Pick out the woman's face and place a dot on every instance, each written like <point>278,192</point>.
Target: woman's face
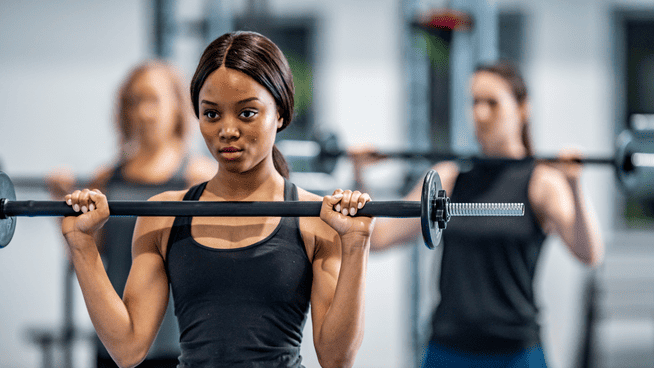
<point>238,119</point>
<point>152,108</point>
<point>497,115</point>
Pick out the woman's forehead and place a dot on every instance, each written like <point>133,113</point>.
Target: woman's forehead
<point>229,84</point>
<point>489,84</point>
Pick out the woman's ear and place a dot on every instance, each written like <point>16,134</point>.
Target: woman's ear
<point>280,122</point>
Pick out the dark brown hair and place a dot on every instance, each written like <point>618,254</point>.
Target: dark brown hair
<point>510,73</point>
<point>182,109</point>
<point>259,58</point>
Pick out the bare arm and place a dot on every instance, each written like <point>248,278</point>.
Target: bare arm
<point>391,232</point>
<point>558,199</point>
<point>339,277</point>
<point>126,327</point>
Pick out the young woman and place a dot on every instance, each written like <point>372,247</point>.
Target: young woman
<point>153,117</point>
<point>241,286</point>
<point>487,315</point>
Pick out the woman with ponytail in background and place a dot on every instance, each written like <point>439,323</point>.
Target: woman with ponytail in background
<point>487,314</point>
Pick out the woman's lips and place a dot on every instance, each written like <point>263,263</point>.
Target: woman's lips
<point>230,153</point>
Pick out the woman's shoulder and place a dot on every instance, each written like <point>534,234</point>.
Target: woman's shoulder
<point>545,177</point>
<point>545,181</point>
<point>305,195</point>
<point>171,195</point>
<point>317,225</point>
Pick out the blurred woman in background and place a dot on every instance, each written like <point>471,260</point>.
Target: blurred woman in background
<point>153,118</point>
<point>487,315</point>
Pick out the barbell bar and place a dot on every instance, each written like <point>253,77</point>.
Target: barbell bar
<point>434,209</point>
<point>633,160</point>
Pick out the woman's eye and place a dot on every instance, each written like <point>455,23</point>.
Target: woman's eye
<point>248,114</point>
<point>211,114</point>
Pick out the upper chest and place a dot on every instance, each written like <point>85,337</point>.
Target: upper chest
<point>232,232</point>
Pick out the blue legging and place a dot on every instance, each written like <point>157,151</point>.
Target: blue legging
<point>441,356</point>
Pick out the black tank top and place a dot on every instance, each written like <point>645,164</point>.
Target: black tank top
<point>117,251</point>
<point>243,307</point>
<point>488,265</point>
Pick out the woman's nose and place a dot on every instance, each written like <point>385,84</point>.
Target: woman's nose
<point>146,110</point>
<point>229,130</point>
<point>482,112</point>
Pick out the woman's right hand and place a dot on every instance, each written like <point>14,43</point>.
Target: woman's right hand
<point>95,212</point>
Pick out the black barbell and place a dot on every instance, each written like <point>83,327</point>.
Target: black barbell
<point>434,209</point>
<point>633,161</point>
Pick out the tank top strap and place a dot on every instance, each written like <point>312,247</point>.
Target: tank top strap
<point>292,224</point>
<point>182,225</point>
<point>290,191</point>
<point>117,173</point>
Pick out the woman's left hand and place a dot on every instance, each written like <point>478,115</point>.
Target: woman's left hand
<point>567,164</point>
<point>339,211</point>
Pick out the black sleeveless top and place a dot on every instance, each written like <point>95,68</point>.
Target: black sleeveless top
<point>117,251</point>
<point>488,265</point>
<point>243,307</point>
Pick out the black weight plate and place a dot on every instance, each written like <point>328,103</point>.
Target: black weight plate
<point>8,225</point>
<point>431,233</point>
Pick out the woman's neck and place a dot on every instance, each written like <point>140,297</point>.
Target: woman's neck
<point>261,183</point>
<point>512,150</point>
<point>154,164</point>
<point>155,153</point>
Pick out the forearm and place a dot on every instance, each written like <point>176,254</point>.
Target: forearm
<point>584,236</point>
<point>392,232</point>
<point>106,309</point>
<point>342,330</point>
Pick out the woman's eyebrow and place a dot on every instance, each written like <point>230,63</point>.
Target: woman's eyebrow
<point>247,100</point>
<point>238,103</point>
<point>208,103</point>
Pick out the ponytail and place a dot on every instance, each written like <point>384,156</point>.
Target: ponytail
<point>526,138</point>
<point>280,162</point>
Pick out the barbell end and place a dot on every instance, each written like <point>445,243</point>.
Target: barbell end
<point>7,223</point>
<point>429,224</point>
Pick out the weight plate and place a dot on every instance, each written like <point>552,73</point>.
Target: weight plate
<point>431,233</point>
<point>7,225</point>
